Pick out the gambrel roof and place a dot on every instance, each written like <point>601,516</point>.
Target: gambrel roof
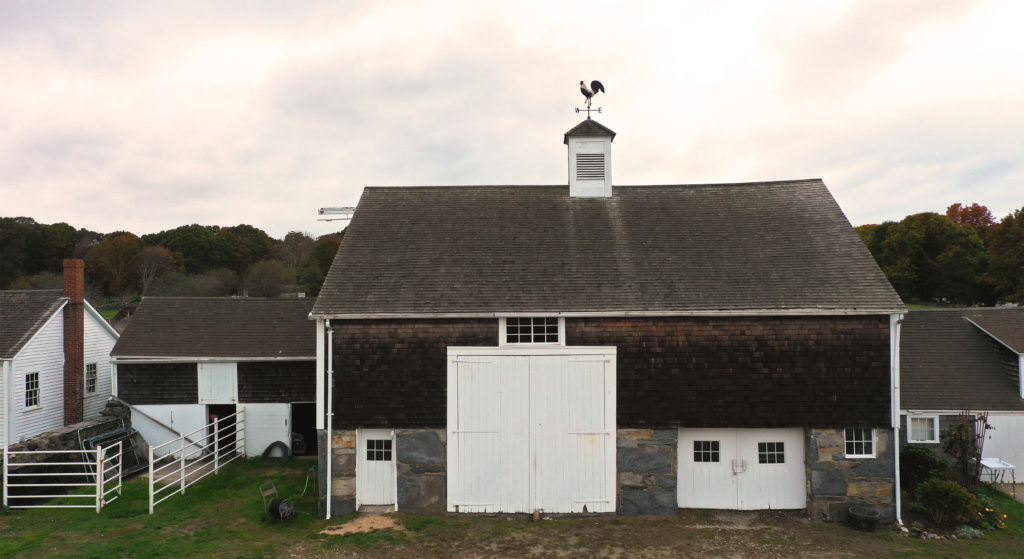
<point>948,363</point>
<point>775,247</point>
<point>22,314</point>
<point>214,327</point>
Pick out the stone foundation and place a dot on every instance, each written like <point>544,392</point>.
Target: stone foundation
<point>646,468</point>
<point>835,482</point>
<point>421,456</point>
<point>343,472</point>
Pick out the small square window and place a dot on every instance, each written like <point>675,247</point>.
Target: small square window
<point>378,450</point>
<point>705,451</point>
<point>771,453</point>
<point>90,378</point>
<point>32,390</point>
<point>923,429</point>
<point>860,443</point>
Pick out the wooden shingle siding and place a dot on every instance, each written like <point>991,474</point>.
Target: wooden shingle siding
<point>276,381</point>
<point>158,383</point>
<point>746,372</point>
<point>393,372</point>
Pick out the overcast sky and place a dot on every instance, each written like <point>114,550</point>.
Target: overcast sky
<point>143,116</point>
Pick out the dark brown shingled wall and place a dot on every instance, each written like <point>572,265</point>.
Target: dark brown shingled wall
<point>746,372</point>
<point>158,383</point>
<point>277,381</point>
<point>391,373</point>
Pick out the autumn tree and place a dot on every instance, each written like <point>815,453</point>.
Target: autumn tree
<point>151,263</point>
<point>295,250</point>
<point>1005,273</point>
<point>112,261</point>
<point>975,215</point>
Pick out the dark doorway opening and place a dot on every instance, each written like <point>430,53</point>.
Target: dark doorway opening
<point>224,414</point>
<point>304,429</point>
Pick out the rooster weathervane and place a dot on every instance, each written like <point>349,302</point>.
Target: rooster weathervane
<point>595,88</point>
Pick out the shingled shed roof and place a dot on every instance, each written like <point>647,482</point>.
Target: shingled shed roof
<point>948,363</point>
<point>22,314</point>
<point>1005,325</point>
<point>679,249</point>
<point>589,128</point>
<point>237,328</point>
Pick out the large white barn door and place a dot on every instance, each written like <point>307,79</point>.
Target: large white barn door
<point>218,383</point>
<point>264,425</point>
<point>531,430</point>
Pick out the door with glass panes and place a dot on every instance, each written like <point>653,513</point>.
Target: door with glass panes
<point>375,467</point>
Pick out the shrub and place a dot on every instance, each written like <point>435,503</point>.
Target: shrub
<point>989,517</point>
<point>947,502</point>
<point>919,464</point>
<point>968,533</point>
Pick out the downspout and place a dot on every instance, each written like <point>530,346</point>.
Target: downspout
<point>330,411</point>
<point>894,328</point>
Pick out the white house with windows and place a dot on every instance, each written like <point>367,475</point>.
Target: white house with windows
<point>54,361</point>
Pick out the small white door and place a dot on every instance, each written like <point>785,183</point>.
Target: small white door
<point>1006,441</point>
<point>375,467</point>
<point>746,469</point>
<point>218,383</point>
<point>265,424</point>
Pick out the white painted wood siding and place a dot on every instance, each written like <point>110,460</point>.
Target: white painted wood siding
<point>531,429</point>
<point>98,344</point>
<point>218,383</point>
<point>171,421</point>
<point>738,480</point>
<point>1006,441</point>
<point>4,400</point>
<point>266,424</point>
<point>375,479</point>
<point>44,353</point>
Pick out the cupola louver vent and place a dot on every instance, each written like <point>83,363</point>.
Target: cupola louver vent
<point>590,166</point>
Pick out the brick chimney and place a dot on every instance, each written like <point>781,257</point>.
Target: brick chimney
<point>74,341</point>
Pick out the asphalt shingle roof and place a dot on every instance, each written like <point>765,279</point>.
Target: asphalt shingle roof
<point>947,363</point>
<point>22,314</point>
<point>1005,325</point>
<point>246,327</point>
<point>663,249</point>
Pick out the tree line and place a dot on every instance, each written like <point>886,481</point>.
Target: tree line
<point>962,257</point>
<point>191,260</point>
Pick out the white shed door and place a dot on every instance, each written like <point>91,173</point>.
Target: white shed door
<point>265,424</point>
<point>1006,441</point>
<point>747,469</point>
<point>375,467</point>
<point>531,430</point>
<point>218,383</point>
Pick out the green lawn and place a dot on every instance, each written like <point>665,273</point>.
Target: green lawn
<point>221,517</point>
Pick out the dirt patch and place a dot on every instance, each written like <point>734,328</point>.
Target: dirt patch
<point>367,523</point>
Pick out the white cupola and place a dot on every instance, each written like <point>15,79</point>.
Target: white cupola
<point>590,160</point>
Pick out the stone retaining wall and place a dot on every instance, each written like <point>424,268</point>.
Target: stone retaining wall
<point>646,467</point>
<point>421,456</point>
<point>343,472</point>
<point>835,482</point>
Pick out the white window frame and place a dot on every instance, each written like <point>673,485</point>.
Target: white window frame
<point>38,391</point>
<point>847,440</point>
<point>95,378</point>
<point>910,430</point>
<point>503,332</point>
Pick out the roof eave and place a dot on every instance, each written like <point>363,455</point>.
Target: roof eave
<point>615,314</point>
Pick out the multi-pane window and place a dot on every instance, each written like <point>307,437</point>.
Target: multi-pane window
<point>771,453</point>
<point>860,442</point>
<point>923,429</point>
<point>705,451</point>
<point>31,390</point>
<point>90,378</point>
<point>531,329</point>
<point>378,450</point>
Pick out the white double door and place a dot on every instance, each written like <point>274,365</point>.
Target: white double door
<point>531,430</point>
<point>746,469</point>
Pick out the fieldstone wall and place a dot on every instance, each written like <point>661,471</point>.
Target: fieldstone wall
<point>343,472</point>
<point>646,468</point>
<point>421,456</point>
<point>835,482</point>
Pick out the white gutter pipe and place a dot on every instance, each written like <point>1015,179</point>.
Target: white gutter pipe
<point>330,411</point>
<point>894,328</point>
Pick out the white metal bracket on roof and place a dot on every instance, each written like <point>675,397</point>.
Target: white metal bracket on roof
<point>342,213</point>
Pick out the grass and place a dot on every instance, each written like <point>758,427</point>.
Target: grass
<point>221,517</point>
<point>109,313</point>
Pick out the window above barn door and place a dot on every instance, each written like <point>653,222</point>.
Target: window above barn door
<point>531,330</point>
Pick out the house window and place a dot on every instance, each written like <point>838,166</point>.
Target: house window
<point>860,443</point>
<point>705,451</point>
<point>532,330</point>
<point>771,453</point>
<point>378,450</point>
<point>90,378</point>
<point>923,428</point>
<point>32,390</point>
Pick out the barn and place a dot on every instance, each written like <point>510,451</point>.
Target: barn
<point>184,360</point>
<point>598,348</point>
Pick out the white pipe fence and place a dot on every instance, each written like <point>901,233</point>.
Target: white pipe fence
<point>221,442</point>
<point>31,476</point>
